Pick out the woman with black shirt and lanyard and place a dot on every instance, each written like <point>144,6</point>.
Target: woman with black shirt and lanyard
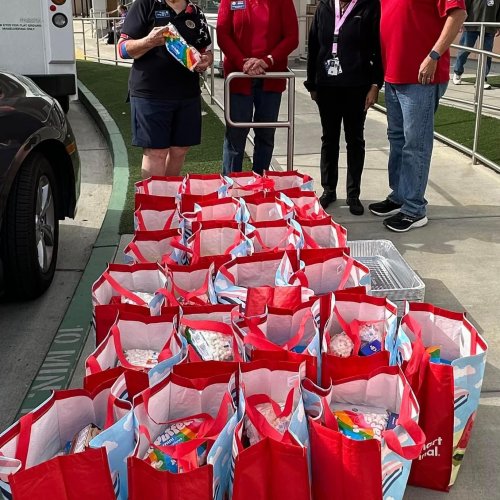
<point>344,74</point>
<point>164,95</point>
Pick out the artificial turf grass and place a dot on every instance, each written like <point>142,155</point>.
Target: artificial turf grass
<point>458,125</point>
<point>109,84</point>
<point>494,81</point>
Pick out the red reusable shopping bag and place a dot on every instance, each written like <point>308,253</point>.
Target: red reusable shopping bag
<point>32,459</point>
<point>263,472</point>
<point>448,391</point>
<point>147,482</point>
<point>74,477</point>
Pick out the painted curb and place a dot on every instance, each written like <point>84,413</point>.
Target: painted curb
<point>66,348</point>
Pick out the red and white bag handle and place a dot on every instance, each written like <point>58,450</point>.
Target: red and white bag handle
<point>264,428</point>
<point>123,291</point>
<point>408,452</point>
<point>209,431</point>
<point>278,247</point>
<point>258,339</point>
<point>141,225</point>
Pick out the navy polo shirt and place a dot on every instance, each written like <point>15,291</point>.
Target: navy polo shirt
<point>157,74</point>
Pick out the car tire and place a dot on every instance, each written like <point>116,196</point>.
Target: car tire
<point>30,232</point>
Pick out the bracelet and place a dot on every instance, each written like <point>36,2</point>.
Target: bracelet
<point>270,57</point>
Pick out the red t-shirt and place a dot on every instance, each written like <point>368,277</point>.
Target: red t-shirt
<point>408,31</point>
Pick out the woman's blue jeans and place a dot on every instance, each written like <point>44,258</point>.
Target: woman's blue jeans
<point>260,106</point>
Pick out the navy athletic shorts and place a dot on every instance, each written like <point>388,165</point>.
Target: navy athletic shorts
<point>161,123</point>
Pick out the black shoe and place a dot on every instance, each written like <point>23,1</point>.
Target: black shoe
<point>402,222</point>
<point>327,197</point>
<point>355,206</point>
<point>384,208</point>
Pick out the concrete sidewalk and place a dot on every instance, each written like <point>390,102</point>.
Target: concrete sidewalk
<point>457,255</point>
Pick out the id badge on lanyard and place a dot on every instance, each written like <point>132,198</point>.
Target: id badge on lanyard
<point>332,66</point>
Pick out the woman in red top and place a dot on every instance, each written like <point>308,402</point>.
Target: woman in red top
<point>255,36</point>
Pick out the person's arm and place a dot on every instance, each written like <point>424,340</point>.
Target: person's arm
<point>285,47</point>
<point>454,21</point>
<point>225,35</point>
<point>134,49</point>
<point>136,36</point>
<point>312,56</point>
<point>377,79</point>
<point>207,56</point>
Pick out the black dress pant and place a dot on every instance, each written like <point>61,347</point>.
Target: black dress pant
<point>347,105</point>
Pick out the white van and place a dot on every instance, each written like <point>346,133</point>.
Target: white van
<point>36,40</point>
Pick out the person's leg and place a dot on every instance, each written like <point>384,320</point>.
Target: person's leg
<point>151,130</point>
<point>267,108</point>
<point>153,162</point>
<point>328,100</point>
<point>418,105</point>
<point>186,132</point>
<point>468,39</point>
<point>395,134</point>
<point>175,160</point>
<point>235,138</point>
<point>489,39</point>
<point>354,116</point>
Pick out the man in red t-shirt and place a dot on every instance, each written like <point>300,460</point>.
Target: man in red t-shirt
<point>415,36</point>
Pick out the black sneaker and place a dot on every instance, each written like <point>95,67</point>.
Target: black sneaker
<point>355,206</point>
<point>402,222</point>
<point>327,197</point>
<point>384,208</point>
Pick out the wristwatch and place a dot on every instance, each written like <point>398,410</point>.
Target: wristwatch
<point>434,55</point>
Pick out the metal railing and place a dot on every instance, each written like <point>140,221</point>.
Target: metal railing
<point>97,28</point>
<point>288,124</point>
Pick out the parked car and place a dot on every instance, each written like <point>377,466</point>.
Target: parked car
<point>39,184</point>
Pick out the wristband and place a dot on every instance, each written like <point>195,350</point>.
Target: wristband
<point>123,51</point>
<point>270,59</point>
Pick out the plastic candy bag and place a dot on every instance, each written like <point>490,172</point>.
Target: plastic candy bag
<point>187,55</point>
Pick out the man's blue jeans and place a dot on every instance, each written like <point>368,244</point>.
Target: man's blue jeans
<point>410,129</point>
<point>267,106</point>
<point>468,39</point>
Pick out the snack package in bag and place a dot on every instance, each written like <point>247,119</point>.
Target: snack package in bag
<point>187,55</point>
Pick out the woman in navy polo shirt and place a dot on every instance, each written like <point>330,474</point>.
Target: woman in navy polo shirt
<point>256,36</point>
<point>164,95</point>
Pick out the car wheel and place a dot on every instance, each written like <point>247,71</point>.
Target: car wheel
<point>30,232</point>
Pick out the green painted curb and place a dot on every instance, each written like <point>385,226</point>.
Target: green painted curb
<point>64,353</point>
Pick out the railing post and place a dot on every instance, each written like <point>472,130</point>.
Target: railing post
<point>289,124</point>
<point>115,41</point>
<point>291,129</point>
<point>479,93</point>
<point>212,69</point>
<point>84,41</point>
